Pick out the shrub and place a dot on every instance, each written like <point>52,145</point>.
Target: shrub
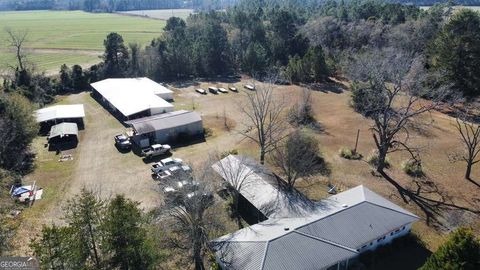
<point>348,153</point>
<point>230,152</point>
<point>413,167</point>
<point>373,160</point>
<point>207,132</point>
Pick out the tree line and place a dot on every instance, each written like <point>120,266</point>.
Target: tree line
<point>112,5</point>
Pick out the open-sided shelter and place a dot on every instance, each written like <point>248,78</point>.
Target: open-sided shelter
<point>60,113</point>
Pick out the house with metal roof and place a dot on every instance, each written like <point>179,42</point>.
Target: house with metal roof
<point>134,97</point>
<point>166,128</point>
<point>330,234</point>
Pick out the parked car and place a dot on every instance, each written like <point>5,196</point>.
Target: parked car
<point>178,169</point>
<point>156,150</point>
<point>213,90</point>
<point>188,185</point>
<point>233,89</point>
<point>178,192</point>
<point>201,91</point>
<point>166,164</point>
<point>222,90</point>
<point>122,141</point>
<point>205,198</point>
<point>161,175</point>
<point>160,172</point>
<point>249,87</point>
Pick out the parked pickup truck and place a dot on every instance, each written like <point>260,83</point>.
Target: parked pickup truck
<point>156,150</point>
<point>122,142</point>
<point>166,164</point>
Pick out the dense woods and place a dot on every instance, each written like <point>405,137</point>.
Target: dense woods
<point>111,5</point>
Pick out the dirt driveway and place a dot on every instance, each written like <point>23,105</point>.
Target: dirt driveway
<point>101,167</point>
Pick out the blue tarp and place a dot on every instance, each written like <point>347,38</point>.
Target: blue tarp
<point>19,191</point>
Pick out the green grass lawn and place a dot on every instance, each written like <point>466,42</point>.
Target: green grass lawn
<point>49,61</point>
<point>80,33</point>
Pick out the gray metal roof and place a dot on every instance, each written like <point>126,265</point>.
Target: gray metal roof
<point>340,225</point>
<point>60,112</point>
<point>163,121</point>
<point>63,129</point>
<point>301,252</point>
<point>357,225</point>
<point>243,255</point>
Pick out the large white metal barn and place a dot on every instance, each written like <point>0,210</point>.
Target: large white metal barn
<point>134,97</point>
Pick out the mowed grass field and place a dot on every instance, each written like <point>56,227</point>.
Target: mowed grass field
<point>71,37</point>
<point>161,14</point>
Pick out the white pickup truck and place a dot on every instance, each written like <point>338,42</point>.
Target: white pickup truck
<point>156,150</point>
<point>166,164</point>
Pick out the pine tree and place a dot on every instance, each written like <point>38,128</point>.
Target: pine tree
<point>460,252</point>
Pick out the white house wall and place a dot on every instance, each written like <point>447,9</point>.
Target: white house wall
<point>388,238</point>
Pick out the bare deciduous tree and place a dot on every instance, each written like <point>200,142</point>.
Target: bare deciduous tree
<point>298,157</point>
<point>265,124</point>
<point>470,138</point>
<point>16,40</point>
<point>237,171</point>
<point>393,85</point>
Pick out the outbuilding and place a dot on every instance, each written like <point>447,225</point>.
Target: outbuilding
<point>53,115</point>
<point>133,97</point>
<point>166,128</point>
<point>63,132</point>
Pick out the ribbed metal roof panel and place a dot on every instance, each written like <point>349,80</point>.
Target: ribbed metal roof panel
<point>357,225</point>
<point>242,255</point>
<point>300,252</point>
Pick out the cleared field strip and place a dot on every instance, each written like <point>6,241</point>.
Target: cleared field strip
<point>72,30</point>
<point>161,14</point>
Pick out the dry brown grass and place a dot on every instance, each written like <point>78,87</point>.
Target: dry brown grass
<point>128,174</point>
<point>340,125</point>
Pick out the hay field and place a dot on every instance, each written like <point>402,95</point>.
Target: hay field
<point>71,37</point>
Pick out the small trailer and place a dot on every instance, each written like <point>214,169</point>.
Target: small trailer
<point>213,90</point>
<point>249,87</point>
<point>201,91</point>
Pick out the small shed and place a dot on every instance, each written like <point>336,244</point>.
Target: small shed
<point>63,132</point>
<point>166,128</point>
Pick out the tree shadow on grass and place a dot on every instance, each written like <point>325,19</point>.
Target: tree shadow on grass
<point>404,253</point>
<point>473,182</point>
<point>435,210</point>
<point>331,87</point>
